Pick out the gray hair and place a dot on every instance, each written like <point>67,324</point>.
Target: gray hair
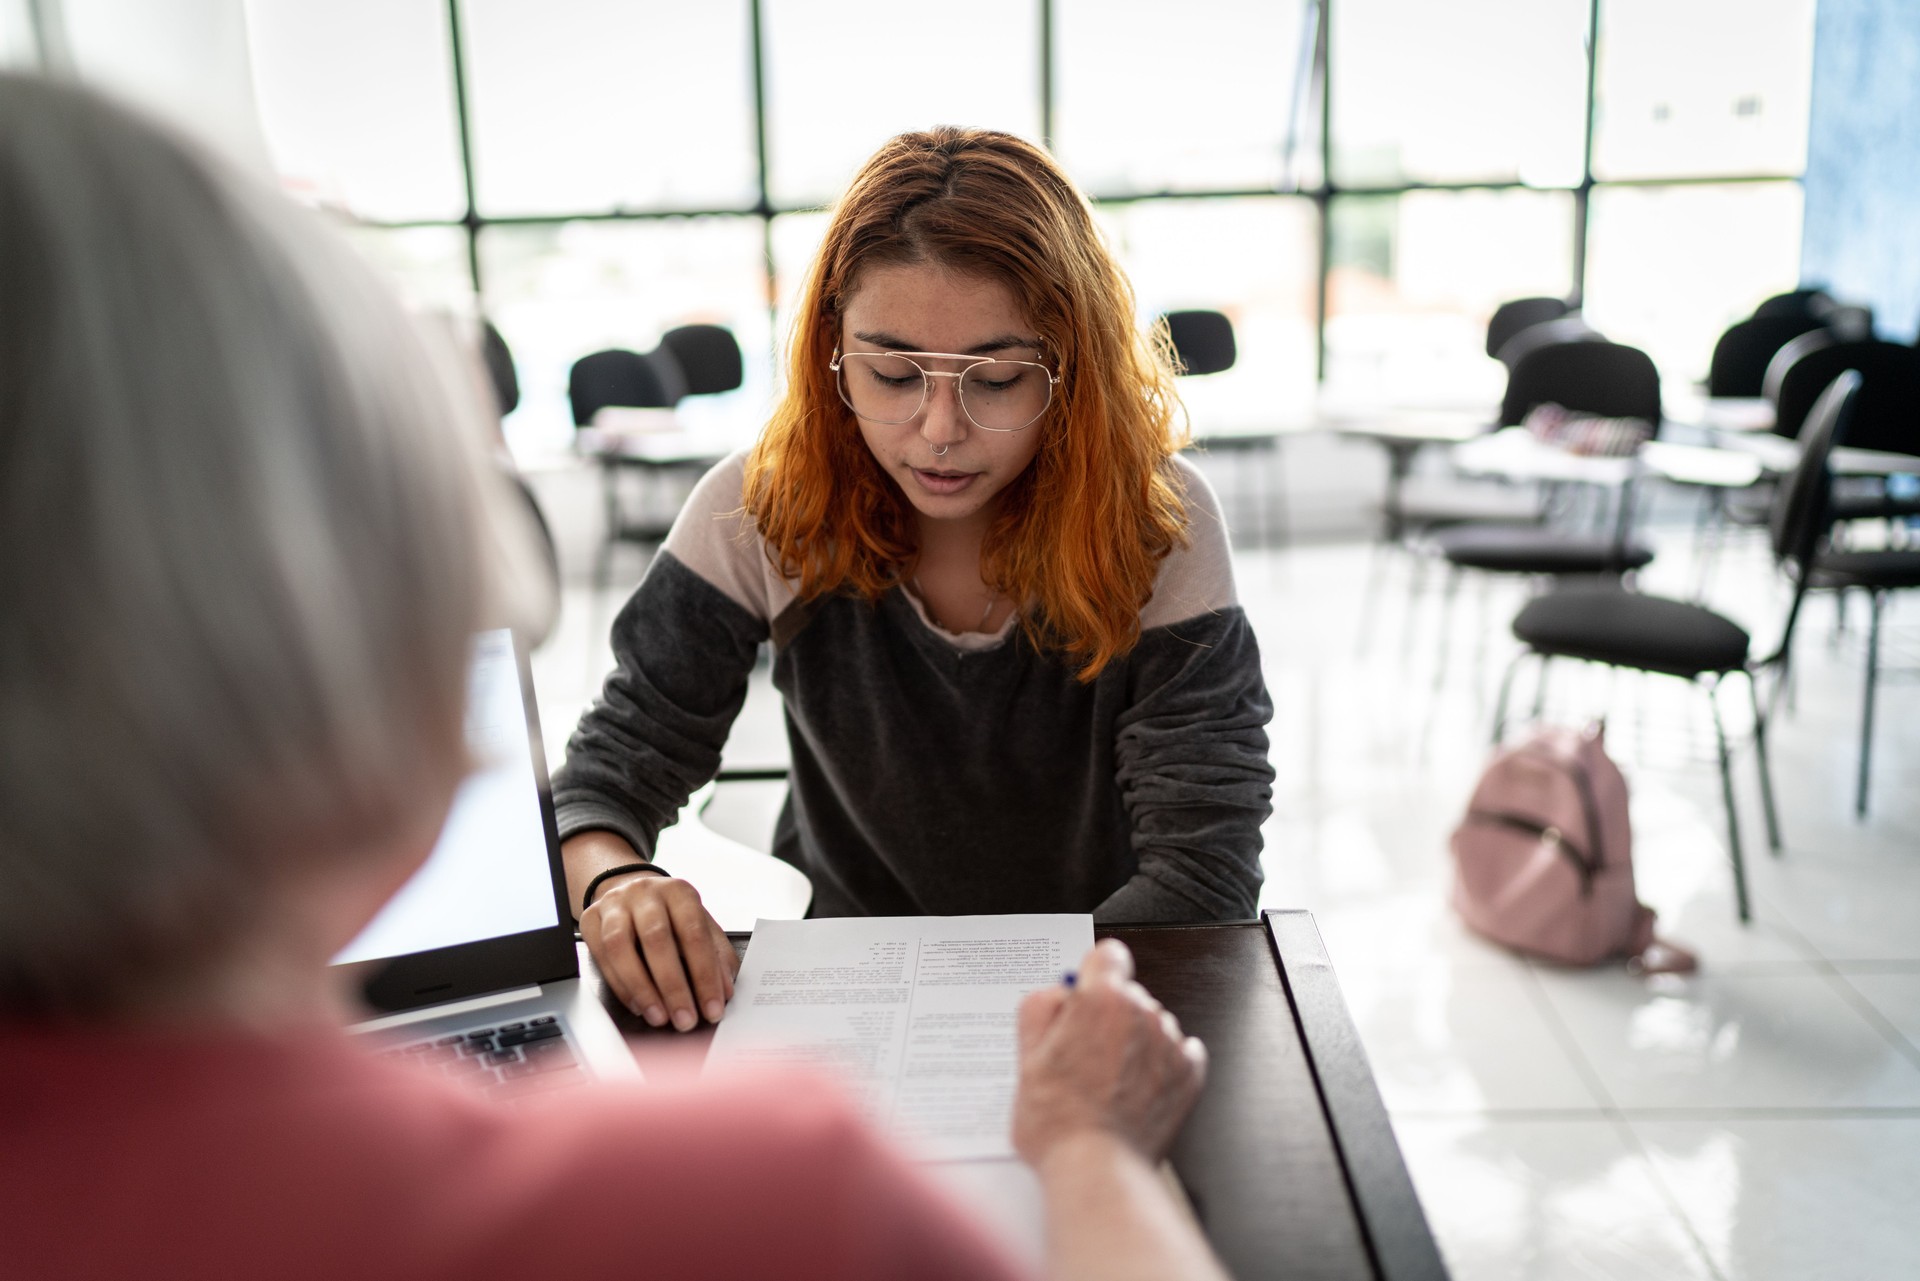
<point>247,530</point>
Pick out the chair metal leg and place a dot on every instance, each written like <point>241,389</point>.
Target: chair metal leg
<point>1733,818</point>
<point>1500,705</point>
<point>1282,515</point>
<point>1766,766</point>
<point>1375,571</point>
<point>1415,582</point>
<point>1540,688</point>
<point>1875,600</point>
<point>1444,651</point>
<point>610,534</point>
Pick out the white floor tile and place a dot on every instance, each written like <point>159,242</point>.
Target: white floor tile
<point>1543,1200</point>
<point>1682,871</point>
<point>1786,1200</point>
<point>1857,908</point>
<point>1445,1039</point>
<point>1730,1041</point>
<point>1896,996</point>
<point>1398,933</point>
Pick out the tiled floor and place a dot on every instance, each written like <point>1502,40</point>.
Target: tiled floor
<point>1758,1120</point>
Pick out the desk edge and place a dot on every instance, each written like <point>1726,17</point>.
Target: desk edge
<point>1391,1218</point>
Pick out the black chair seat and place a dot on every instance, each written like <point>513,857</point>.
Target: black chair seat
<point>1626,629</point>
<point>1539,551</point>
<point>1887,571</point>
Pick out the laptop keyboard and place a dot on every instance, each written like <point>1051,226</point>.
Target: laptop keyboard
<point>505,1059</point>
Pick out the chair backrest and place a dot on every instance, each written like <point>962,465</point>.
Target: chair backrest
<point>617,377</point>
<point>1796,302</point>
<point>1783,360</point>
<point>1849,321</point>
<point>1572,327</point>
<point>1803,502</point>
<point>1741,356</point>
<point>499,362</point>
<point>1887,416</point>
<point>1202,341</point>
<point>1509,318</point>
<point>1595,376</point>
<point>708,357</point>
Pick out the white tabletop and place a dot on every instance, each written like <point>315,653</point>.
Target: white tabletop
<point>1734,414</point>
<point>1517,454</point>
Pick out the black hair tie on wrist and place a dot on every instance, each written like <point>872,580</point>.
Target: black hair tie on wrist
<point>586,899</point>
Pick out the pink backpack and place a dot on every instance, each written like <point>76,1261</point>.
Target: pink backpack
<point>1543,860</point>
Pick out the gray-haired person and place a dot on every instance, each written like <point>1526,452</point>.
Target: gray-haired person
<point>246,533</point>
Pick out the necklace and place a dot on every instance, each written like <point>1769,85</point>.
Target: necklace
<point>993,598</point>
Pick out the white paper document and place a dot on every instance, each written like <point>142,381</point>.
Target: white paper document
<point>916,1016</point>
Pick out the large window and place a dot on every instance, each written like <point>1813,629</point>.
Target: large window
<point>1414,277</point>
<point>590,106</point>
<point>1487,91</point>
<point>842,79</point>
<point>1210,98</point>
<point>19,47</point>
<point>1251,258</point>
<point>1671,267</point>
<point>1356,183</point>
<point>1702,89</point>
<point>356,99</point>
<point>559,291</point>
<point>426,265</point>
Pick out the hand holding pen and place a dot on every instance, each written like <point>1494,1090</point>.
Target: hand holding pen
<point>1098,1053</point>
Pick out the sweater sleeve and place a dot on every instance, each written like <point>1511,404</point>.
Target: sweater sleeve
<point>1191,747</point>
<point>683,646</point>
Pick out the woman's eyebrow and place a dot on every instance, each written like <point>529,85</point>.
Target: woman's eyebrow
<point>1003,342</point>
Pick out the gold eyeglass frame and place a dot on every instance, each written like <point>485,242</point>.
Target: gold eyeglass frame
<point>926,384</point>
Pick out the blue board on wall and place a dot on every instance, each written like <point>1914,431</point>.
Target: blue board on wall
<point>1862,230</point>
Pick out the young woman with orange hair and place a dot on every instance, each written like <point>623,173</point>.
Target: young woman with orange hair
<point>1002,609</point>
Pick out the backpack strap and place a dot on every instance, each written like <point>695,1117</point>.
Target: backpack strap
<point>1649,955</point>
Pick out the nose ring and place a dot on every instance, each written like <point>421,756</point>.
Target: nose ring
<point>940,451</point>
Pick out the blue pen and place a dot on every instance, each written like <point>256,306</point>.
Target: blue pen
<point>1069,978</point>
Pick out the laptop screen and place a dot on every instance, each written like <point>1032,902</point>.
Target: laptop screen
<point>489,875</point>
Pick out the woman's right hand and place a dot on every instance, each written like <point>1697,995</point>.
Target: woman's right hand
<point>659,949</point>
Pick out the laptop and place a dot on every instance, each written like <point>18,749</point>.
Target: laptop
<point>472,965</point>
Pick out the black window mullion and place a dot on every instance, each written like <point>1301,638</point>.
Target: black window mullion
<point>1583,194</point>
<point>763,207</point>
<point>471,219</point>
<point>1323,194</point>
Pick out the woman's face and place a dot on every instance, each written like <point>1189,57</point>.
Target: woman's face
<point>949,468</point>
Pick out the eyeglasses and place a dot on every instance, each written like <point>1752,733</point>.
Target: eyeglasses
<point>995,395</point>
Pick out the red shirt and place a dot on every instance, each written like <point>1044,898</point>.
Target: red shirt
<point>140,1154</point>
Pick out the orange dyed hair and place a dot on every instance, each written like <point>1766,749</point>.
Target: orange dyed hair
<point>1081,532</point>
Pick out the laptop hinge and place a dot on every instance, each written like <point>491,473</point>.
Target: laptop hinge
<point>425,1012</point>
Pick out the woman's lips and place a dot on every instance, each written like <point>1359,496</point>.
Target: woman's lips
<point>943,482</point>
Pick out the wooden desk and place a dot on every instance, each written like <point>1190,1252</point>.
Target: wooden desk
<point>1289,1158</point>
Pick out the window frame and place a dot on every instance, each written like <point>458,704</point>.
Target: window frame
<point>1323,194</point>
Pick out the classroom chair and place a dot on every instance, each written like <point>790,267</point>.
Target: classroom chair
<point>1616,627</point>
<point>1510,317</point>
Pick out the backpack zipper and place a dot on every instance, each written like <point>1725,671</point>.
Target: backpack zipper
<point>1546,832</point>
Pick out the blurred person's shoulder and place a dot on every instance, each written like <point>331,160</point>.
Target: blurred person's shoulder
<point>306,1156</point>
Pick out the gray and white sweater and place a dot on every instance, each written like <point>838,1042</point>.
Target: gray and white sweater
<point>940,773</point>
